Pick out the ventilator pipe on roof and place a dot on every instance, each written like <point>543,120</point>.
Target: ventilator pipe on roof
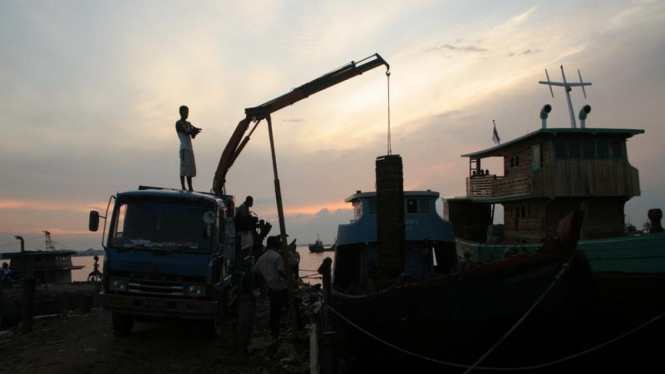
<point>583,113</point>
<point>543,114</point>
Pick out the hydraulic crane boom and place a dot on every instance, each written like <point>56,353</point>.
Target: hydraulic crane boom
<point>263,111</point>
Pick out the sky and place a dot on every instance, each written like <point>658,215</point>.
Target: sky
<point>90,91</point>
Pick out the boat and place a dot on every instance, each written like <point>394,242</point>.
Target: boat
<point>53,291</point>
<point>318,246</point>
<point>398,279</point>
<point>549,172</point>
<point>49,266</point>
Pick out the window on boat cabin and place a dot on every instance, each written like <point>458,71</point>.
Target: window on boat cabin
<point>614,149</point>
<point>357,210</point>
<point>423,206</point>
<point>602,149</point>
<point>588,149</point>
<point>371,206</point>
<point>523,212</point>
<point>535,157</point>
<point>574,150</point>
<point>411,206</point>
<point>561,150</point>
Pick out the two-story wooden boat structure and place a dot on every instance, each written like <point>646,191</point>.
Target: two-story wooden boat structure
<point>547,174</point>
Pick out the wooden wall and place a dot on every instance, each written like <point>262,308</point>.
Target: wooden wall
<point>603,217</point>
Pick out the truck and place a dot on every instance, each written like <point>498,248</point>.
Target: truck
<point>183,255</point>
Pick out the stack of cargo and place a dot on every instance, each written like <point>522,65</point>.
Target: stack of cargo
<point>390,218</point>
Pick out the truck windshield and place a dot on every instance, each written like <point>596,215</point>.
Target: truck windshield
<point>161,226</point>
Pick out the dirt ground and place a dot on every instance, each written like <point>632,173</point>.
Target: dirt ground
<point>84,343</point>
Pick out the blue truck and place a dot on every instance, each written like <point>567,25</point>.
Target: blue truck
<point>173,254</point>
<point>177,254</point>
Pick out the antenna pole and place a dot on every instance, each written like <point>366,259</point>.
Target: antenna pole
<point>573,124</point>
<point>568,87</point>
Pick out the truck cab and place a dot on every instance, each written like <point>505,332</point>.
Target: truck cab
<point>171,254</point>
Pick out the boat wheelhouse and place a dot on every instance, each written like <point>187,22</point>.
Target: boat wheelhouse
<point>429,240</point>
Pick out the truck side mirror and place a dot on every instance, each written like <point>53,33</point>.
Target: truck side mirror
<point>93,223</point>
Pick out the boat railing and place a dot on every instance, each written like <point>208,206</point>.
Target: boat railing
<point>496,186</point>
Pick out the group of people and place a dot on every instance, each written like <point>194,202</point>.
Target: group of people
<point>270,264</point>
<point>269,267</point>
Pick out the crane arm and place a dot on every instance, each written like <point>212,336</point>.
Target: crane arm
<point>263,111</point>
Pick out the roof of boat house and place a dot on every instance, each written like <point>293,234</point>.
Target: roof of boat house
<point>363,195</point>
<point>552,132</point>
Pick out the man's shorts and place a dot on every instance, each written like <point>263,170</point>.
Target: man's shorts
<point>187,163</point>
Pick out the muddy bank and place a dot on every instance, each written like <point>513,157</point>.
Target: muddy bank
<point>84,343</point>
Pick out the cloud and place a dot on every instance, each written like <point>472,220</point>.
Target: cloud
<point>469,48</point>
<point>526,52</point>
<point>464,48</point>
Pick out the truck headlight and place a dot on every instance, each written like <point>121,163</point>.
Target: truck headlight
<point>116,284</point>
<point>195,290</point>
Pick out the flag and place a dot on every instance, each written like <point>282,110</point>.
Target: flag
<point>495,135</point>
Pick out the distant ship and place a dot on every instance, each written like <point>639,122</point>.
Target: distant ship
<point>318,246</point>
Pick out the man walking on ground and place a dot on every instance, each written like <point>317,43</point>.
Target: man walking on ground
<point>186,132</point>
<point>271,267</point>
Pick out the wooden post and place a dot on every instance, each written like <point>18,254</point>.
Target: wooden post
<point>282,234</point>
<point>327,361</point>
<point>324,270</point>
<point>28,291</point>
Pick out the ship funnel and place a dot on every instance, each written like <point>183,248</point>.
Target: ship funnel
<point>583,113</point>
<point>544,113</point>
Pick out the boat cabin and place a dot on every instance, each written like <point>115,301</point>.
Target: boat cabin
<point>546,174</point>
<point>429,241</point>
<point>48,267</point>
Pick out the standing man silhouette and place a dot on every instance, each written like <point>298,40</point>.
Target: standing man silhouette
<point>186,132</point>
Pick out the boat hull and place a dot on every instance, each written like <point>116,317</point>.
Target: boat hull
<point>465,313</point>
<point>629,270</point>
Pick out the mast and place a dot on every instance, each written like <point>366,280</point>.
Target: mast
<point>568,87</point>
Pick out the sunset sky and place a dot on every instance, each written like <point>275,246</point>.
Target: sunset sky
<point>90,91</point>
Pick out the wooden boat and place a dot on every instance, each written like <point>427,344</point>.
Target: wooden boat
<point>428,301</point>
<point>547,173</point>
<point>50,266</point>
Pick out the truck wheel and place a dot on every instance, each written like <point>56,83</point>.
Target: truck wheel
<point>122,323</point>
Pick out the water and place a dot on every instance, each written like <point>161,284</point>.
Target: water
<point>309,263</point>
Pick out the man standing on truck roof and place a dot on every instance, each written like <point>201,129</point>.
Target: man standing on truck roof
<point>271,267</point>
<point>186,132</point>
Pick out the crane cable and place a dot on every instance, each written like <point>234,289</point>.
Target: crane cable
<point>390,150</point>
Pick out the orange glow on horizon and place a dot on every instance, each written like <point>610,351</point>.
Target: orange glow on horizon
<point>311,209</point>
<point>47,205</point>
